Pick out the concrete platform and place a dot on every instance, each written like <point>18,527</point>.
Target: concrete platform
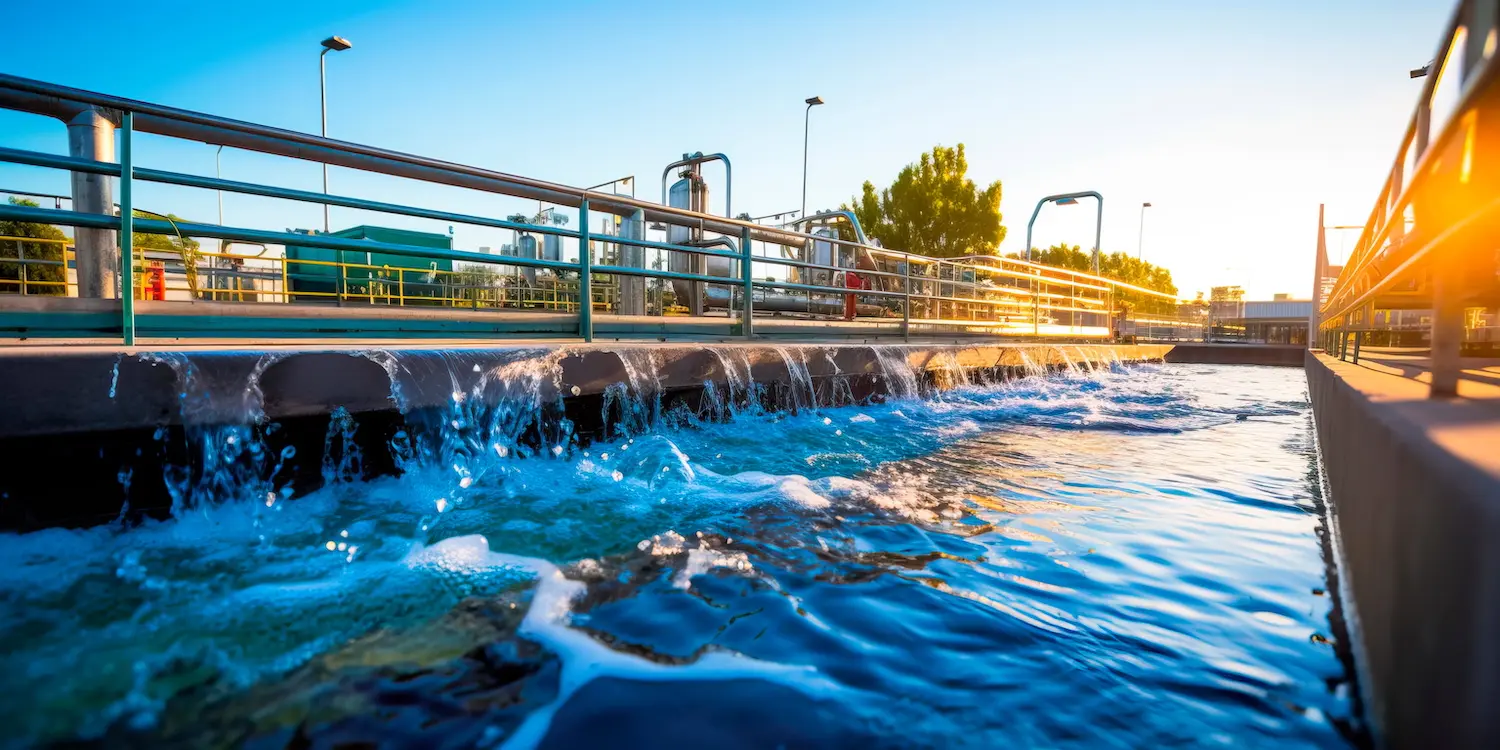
<point>1237,354</point>
<point>1415,484</point>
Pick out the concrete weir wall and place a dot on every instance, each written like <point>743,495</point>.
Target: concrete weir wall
<point>96,419</point>
<point>1415,484</point>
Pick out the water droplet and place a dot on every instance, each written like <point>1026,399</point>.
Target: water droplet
<point>836,432</point>
<point>557,450</point>
<point>617,476</point>
<point>603,456</point>
<point>501,450</point>
<point>332,546</point>
<point>465,482</point>
<point>827,420</point>
<point>344,533</point>
<point>343,546</point>
<point>442,504</point>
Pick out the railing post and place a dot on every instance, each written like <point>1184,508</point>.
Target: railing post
<point>127,232</point>
<point>585,282</point>
<point>1447,333</point>
<point>747,277</point>
<point>1036,302</point>
<point>906,299</point>
<point>1359,340</point>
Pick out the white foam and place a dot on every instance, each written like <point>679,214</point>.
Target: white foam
<point>584,659</point>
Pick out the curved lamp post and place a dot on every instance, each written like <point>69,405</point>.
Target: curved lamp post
<point>1069,199</point>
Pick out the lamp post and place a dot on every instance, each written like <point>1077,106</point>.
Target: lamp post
<point>611,183</point>
<point>331,44</point>
<point>1140,237</point>
<point>1069,199</point>
<point>806,119</point>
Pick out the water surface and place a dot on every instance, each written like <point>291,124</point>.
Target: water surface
<point>1126,557</point>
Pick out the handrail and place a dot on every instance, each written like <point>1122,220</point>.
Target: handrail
<point>1390,208</point>
<point>63,102</point>
<point>939,281</point>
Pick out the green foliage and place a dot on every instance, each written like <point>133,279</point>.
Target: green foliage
<point>1117,266</point>
<point>934,209</point>
<point>48,251</point>
<point>186,247</point>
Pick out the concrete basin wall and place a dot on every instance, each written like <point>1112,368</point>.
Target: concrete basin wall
<point>1415,484</point>
<point>90,430</point>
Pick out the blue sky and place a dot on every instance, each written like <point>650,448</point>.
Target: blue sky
<point>1234,119</point>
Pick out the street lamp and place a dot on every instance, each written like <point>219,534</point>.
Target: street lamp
<point>630,180</point>
<point>1069,199</point>
<point>1140,237</point>
<point>806,118</point>
<point>331,44</point>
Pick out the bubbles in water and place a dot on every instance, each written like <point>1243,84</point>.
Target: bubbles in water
<point>616,475</point>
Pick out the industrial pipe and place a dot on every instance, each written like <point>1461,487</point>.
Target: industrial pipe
<point>700,158</point>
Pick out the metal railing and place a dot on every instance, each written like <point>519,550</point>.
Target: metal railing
<point>764,267</point>
<point>1429,240</point>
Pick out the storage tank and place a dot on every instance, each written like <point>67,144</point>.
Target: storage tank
<point>526,248</point>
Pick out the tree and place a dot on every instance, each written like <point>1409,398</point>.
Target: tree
<point>934,209</point>
<point>1120,267</point>
<point>185,247</point>
<point>50,274</point>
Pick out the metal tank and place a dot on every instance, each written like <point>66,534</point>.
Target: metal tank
<point>633,288</point>
<point>684,195</point>
<point>526,248</point>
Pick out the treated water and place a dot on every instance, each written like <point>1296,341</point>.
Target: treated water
<point>1126,557</point>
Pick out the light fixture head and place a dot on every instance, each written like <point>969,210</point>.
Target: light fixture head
<point>337,43</point>
<point>814,101</point>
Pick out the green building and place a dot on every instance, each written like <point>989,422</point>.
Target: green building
<point>313,272</point>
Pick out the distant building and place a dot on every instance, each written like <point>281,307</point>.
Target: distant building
<point>1280,320</point>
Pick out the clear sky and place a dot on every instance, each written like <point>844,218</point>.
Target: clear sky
<point>1235,119</point>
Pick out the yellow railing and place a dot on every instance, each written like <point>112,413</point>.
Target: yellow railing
<point>20,274</point>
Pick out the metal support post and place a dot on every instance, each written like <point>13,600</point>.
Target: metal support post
<point>91,135</point>
<point>127,231</point>
<point>1359,340</point>
<point>1447,332</point>
<point>585,283</point>
<point>906,299</point>
<point>747,278</point>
